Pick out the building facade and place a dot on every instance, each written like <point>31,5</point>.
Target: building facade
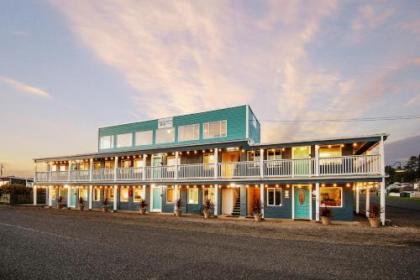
<point>217,156</point>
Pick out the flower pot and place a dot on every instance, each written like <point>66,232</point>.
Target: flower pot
<point>82,207</point>
<point>142,211</point>
<point>326,220</point>
<point>178,212</point>
<point>257,217</point>
<point>374,222</point>
<point>206,214</point>
<point>105,209</point>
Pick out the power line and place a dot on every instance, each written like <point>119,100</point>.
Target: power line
<point>366,119</point>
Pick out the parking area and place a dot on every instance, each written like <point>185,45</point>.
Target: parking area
<point>39,243</point>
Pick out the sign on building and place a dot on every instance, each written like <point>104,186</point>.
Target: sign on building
<point>165,123</point>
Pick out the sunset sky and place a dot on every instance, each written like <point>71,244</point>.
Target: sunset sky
<point>69,67</point>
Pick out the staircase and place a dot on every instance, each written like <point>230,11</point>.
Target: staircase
<point>237,208</point>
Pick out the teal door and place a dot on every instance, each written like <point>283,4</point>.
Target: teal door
<point>73,197</point>
<point>302,202</point>
<point>156,199</point>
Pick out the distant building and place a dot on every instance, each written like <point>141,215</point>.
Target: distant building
<point>12,180</point>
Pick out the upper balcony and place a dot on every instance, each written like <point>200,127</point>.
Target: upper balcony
<point>348,166</point>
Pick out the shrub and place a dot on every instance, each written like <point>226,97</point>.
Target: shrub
<point>143,203</point>
<point>257,207</point>
<point>207,204</point>
<point>374,211</point>
<point>325,212</point>
<point>178,203</point>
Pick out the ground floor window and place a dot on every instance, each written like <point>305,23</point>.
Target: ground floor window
<point>331,196</point>
<point>109,194</point>
<point>83,193</point>
<point>274,197</point>
<point>124,193</point>
<point>170,194</point>
<point>96,194</point>
<point>137,194</point>
<point>193,196</point>
<point>209,194</point>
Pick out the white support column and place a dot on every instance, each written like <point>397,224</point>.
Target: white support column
<point>69,171</point>
<point>90,170</point>
<point>382,198</point>
<point>68,195</point>
<point>144,169</point>
<point>90,197</point>
<point>262,199</point>
<point>115,197</point>
<point>143,194</point>
<point>216,161</point>
<point>216,200</point>
<point>357,199</point>
<point>115,168</point>
<point>367,201</point>
<point>262,163</point>
<point>49,196</point>
<point>317,201</point>
<point>176,165</point>
<point>317,160</point>
<point>34,190</point>
<point>177,196</point>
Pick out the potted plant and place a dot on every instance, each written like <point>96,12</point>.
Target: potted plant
<point>81,204</point>
<point>59,200</point>
<point>257,211</point>
<point>374,216</point>
<point>178,210</point>
<point>105,205</point>
<point>325,216</point>
<point>143,207</point>
<point>206,208</point>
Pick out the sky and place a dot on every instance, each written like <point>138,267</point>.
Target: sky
<point>69,67</point>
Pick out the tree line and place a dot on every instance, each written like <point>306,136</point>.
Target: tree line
<point>404,173</point>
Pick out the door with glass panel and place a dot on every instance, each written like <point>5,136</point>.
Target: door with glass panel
<point>301,199</point>
<point>156,199</point>
<point>73,196</point>
<point>301,160</point>
<point>229,160</point>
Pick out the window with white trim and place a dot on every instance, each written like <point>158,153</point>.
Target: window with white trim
<point>144,138</point>
<point>137,192</point>
<point>331,196</point>
<point>274,197</point>
<point>170,194</point>
<point>189,132</point>
<point>124,140</point>
<point>165,135</point>
<point>124,192</point>
<point>215,129</point>
<point>106,142</point>
<point>192,196</point>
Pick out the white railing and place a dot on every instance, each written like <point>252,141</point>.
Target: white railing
<point>350,165</point>
<point>283,168</point>
<point>195,171</point>
<point>103,174</point>
<point>132,173</point>
<point>244,169</point>
<point>79,175</point>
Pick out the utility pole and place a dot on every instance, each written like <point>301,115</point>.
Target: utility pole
<point>1,169</point>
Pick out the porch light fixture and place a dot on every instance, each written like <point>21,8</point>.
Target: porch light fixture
<point>283,149</point>
<point>335,185</point>
<point>354,144</point>
<point>322,185</point>
<point>211,150</point>
<point>342,145</point>
<point>195,152</point>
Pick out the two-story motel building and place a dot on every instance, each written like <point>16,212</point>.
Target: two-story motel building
<point>217,155</point>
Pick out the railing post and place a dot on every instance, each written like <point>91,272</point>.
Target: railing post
<point>69,171</point>
<point>68,195</point>
<point>317,160</point>
<point>176,165</point>
<point>357,199</point>
<point>115,168</point>
<point>216,200</point>
<point>367,201</point>
<point>216,162</point>
<point>90,170</point>
<point>262,163</point>
<point>317,200</point>
<point>115,197</point>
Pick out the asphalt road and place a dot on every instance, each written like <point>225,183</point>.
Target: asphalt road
<point>54,244</point>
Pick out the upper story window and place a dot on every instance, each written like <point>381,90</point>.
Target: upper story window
<point>106,142</point>
<point>189,132</point>
<point>124,140</point>
<point>215,129</point>
<point>330,151</point>
<point>165,135</point>
<point>144,138</point>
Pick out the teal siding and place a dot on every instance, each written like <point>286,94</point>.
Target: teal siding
<point>254,127</point>
<point>284,211</point>
<point>243,201</point>
<point>236,128</point>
